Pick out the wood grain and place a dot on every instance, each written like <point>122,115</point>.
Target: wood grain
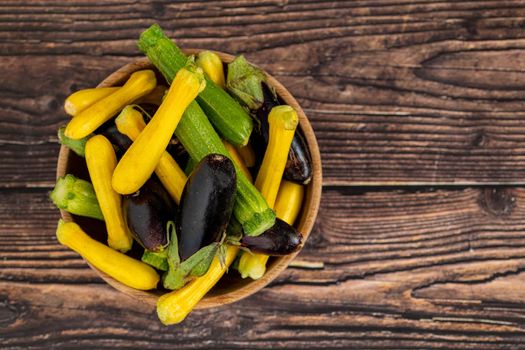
<point>427,92</point>
<point>399,92</point>
<point>423,269</point>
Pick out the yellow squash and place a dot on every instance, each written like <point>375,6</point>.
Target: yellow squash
<point>121,267</point>
<point>130,123</point>
<point>283,121</point>
<point>82,99</point>
<point>101,161</point>
<point>289,201</point>
<point>247,154</point>
<point>234,155</point>
<point>140,160</point>
<point>175,306</point>
<point>211,64</point>
<point>84,123</point>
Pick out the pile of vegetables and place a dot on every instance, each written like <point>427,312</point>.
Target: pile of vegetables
<point>192,225</point>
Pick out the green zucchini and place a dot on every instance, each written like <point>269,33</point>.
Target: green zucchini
<point>227,116</point>
<point>77,146</point>
<point>76,196</point>
<point>189,166</point>
<point>158,260</point>
<point>200,139</point>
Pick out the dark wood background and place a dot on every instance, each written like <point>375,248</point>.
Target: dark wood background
<point>419,109</point>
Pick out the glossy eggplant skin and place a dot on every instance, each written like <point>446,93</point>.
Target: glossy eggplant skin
<point>298,166</point>
<point>120,141</point>
<point>147,213</point>
<point>206,204</point>
<point>280,239</point>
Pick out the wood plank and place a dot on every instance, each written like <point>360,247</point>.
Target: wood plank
<point>399,93</point>
<point>403,269</point>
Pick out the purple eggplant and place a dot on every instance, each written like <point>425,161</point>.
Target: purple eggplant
<point>206,204</point>
<point>298,168</point>
<point>147,213</point>
<point>120,141</point>
<point>280,239</point>
<point>248,84</point>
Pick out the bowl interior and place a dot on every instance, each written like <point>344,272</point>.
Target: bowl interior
<point>231,287</point>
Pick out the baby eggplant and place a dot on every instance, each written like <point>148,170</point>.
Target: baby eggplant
<point>110,131</point>
<point>280,239</point>
<point>249,85</point>
<point>206,204</point>
<point>147,213</point>
<point>298,168</point>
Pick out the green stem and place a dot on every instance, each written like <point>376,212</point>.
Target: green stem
<point>244,82</point>
<point>76,196</point>
<point>77,146</point>
<point>158,260</point>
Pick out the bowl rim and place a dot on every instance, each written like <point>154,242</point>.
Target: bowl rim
<point>307,219</point>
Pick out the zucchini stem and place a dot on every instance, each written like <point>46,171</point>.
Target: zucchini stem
<point>77,146</point>
<point>76,196</point>
<point>211,64</point>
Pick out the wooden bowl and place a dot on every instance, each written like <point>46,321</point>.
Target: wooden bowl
<point>231,287</point>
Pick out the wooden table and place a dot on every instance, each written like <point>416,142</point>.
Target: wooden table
<point>419,109</point>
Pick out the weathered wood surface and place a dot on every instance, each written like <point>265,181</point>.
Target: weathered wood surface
<point>434,268</point>
<point>398,92</point>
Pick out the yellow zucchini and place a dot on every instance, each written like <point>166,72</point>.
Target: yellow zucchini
<point>130,123</point>
<point>82,99</point>
<point>140,160</point>
<point>211,64</point>
<point>283,121</point>
<point>101,161</point>
<point>289,201</point>
<point>84,123</point>
<point>234,155</point>
<point>252,265</point>
<point>121,267</point>
<point>247,154</point>
<point>173,307</point>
